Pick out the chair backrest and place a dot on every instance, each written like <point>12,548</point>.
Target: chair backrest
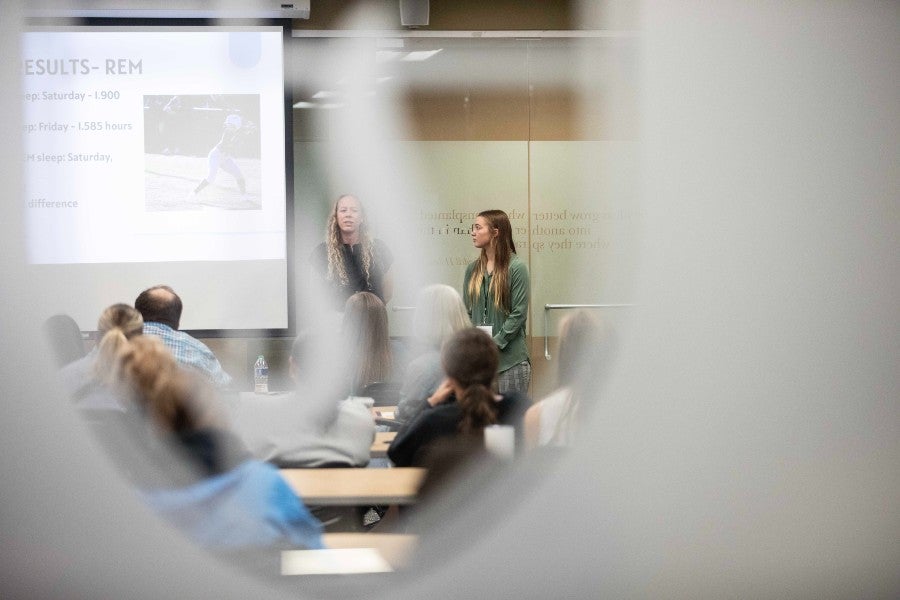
<point>63,336</point>
<point>384,393</point>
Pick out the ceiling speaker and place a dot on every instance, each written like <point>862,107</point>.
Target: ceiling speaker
<point>413,13</point>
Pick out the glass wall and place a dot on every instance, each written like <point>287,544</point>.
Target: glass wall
<point>428,131</point>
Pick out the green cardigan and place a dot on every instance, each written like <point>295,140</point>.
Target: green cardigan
<point>508,328</point>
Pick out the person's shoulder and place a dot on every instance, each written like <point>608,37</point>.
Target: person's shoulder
<point>516,263</point>
<point>187,338</point>
<point>381,250</point>
<point>78,367</point>
<point>557,396</point>
<point>425,360</point>
<point>77,374</point>
<point>442,415</point>
<point>186,341</point>
<point>162,331</point>
<point>155,327</point>
<point>513,397</point>
<point>515,403</point>
<point>354,407</point>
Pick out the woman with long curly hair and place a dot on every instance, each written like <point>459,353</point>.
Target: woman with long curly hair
<point>350,260</point>
<point>463,405</point>
<point>496,293</point>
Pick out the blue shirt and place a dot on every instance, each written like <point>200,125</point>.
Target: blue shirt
<point>249,506</point>
<point>189,351</point>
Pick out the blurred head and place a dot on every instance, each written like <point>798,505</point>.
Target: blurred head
<point>117,325</point>
<point>586,345</point>
<point>122,317</point>
<point>440,313</point>
<point>174,399</point>
<point>313,364</point>
<point>470,358</point>
<point>64,337</point>
<point>313,358</point>
<point>160,304</point>
<point>366,339</point>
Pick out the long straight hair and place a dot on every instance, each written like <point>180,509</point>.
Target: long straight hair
<point>503,247</point>
<point>440,313</point>
<point>337,270</point>
<point>367,341</point>
<point>586,346</point>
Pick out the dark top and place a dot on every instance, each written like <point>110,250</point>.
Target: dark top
<point>382,259</point>
<point>443,421</point>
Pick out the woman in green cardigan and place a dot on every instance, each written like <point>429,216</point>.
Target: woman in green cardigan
<point>496,292</point>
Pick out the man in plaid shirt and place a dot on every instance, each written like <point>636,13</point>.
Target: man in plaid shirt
<point>161,308</point>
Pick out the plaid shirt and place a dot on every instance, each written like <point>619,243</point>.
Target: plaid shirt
<point>189,351</point>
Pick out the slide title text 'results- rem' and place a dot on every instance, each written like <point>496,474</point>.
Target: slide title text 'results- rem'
<point>82,66</point>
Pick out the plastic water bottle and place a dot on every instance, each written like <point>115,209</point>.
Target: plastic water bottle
<point>261,375</point>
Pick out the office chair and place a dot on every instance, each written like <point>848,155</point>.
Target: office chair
<point>63,336</point>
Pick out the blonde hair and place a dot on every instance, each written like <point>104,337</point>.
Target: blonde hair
<point>503,247</point>
<point>366,339</point>
<point>337,270</point>
<point>174,399</point>
<point>117,325</point>
<point>440,313</point>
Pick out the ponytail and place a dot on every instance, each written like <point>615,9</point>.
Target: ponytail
<point>118,323</point>
<point>111,345</point>
<point>478,407</point>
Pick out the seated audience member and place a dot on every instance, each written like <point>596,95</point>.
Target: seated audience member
<point>313,426</point>
<point>63,338</point>
<point>440,313</point>
<point>193,471</point>
<point>585,349</point>
<point>87,380</point>
<point>367,343</point>
<point>464,403</point>
<point>161,308</point>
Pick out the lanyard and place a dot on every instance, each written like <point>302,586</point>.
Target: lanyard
<point>484,299</point>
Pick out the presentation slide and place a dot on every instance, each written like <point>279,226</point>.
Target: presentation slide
<point>157,145</point>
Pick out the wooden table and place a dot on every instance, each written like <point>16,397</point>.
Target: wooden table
<point>383,439</point>
<point>384,412</point>
<point>355,487</point>
<point>395,547</point>
<point>351,553</point>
